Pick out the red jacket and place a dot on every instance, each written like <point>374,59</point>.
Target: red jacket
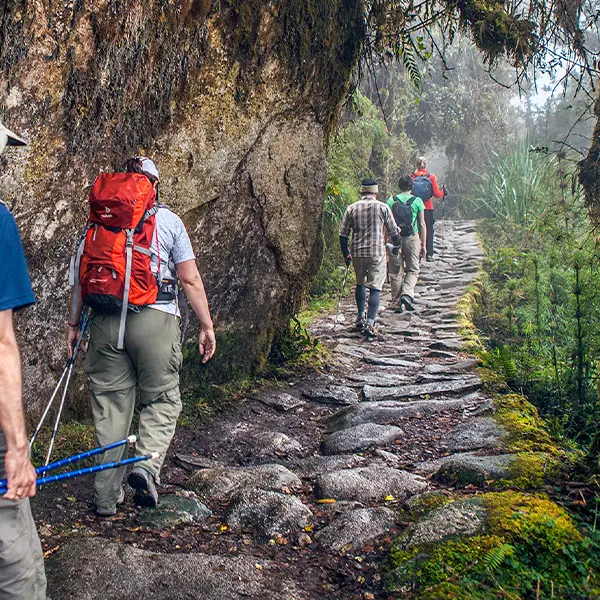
<point>437,193</point>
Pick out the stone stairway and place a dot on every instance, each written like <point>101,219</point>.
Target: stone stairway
<point>292,486</point>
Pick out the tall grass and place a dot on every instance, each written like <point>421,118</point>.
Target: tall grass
<point>518,186</point>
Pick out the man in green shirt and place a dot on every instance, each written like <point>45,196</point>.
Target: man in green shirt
<point>404,268</point>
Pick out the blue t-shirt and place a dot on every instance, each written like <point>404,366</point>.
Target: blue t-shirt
<point>15,286</point>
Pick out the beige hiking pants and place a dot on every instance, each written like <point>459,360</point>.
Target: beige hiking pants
<point>404,270</point>
<point>22,574</point>
<point>150,360</point>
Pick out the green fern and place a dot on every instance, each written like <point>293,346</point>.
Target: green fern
<point>410,62</point>
<point>495,557</point>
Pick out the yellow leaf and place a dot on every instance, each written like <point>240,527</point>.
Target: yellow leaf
<point>259,567</point>
<point>308,528</point>
<point>326,501</point>
<point>389,498</point>
<point>71,499</point>
<point>223,527</point>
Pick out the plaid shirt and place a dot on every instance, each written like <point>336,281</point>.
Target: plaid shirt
<point>367,219</point>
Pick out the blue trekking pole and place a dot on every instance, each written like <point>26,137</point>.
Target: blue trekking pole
<point>83,326</point>
<point>89,470</point>
<point>77,457</point>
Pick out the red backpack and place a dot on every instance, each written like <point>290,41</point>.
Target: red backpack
<point>113,262</point>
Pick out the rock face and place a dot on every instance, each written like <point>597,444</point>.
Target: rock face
<point>235,118</point>
<point>267,513</point>
<point>369,484</point>
<point>354,528</point>
<point>461,518</point>
<point>128,573</point>
<point>223,483</point>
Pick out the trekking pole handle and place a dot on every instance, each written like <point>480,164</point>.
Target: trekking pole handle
<point>89,470</point>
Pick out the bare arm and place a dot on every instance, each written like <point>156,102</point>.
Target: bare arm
<point>192,285</point>
<point>19,471</point>
<point>422,229</point>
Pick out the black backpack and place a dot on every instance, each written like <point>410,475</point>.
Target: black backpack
<point>422,187</point>
<point>403,216</point>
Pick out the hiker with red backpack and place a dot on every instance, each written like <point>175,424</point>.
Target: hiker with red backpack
<point>425,186</point>
<point>403,267</point>
<point>126,269</point>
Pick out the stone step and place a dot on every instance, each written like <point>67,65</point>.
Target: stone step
<point>372,393</point>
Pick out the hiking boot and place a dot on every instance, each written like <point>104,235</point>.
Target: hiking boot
<point>408,303</point>
<point>370,331</point>
<point>145,489</point>
<point>361,323</point>
<point>429,258</point>
<point>399,309</point>
<point>103,511</point>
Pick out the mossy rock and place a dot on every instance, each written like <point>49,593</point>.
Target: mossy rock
<point>527,541</point>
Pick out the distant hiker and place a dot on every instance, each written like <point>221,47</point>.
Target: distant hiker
<point>425,186</point>
<point>21,559</point>
<point>409,213</point>
<point>139,346</point>
<point>368,220</point>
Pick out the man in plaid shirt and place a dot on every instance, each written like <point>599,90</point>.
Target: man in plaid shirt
<point>368,220</point>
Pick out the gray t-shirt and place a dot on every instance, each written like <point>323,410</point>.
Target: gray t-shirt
<point>174,245</point>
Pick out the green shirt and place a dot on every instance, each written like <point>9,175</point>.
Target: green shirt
<point>417,206</point>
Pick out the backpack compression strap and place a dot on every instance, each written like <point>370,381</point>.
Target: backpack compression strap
<point>125,305</point>
<point>74,274</point>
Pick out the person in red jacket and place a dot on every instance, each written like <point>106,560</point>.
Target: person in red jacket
<point>430,191</point>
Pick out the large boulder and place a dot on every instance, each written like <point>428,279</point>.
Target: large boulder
<point>233,100</point>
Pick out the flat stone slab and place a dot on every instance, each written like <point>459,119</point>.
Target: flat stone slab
<point>352,350</point>
<point>267,514</point>
<point>372,393</point>
<point>95,569</point>
<point>466,468</point>
<point>387,412</point>
<point>353,529</point>
<point>282,401</point>
<point>312,466</point>
<point>450,368</point>
<point>360,437</point>
<point>380,379</point>
<point>446,345</point>
<point>439,354</point>
<point>369,484</point>
<point>455,519</point>
<point>385,361</point>
<point>482,432</point>
<point>223,483</point>
<point>333,394</point>
<point>174,509</point>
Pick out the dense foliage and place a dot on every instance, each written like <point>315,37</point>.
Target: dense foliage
<point>539,309</point>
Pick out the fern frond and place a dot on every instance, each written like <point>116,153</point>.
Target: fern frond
<point>495,557</point>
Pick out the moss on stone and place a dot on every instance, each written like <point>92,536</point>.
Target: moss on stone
<point>525,427</point>
<point>529,541</point>
<point>516,516</point>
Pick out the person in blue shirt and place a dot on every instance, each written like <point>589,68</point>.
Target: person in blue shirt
<point>22,574</point>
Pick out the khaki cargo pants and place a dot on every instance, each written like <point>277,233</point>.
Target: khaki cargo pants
<point>22,574</point>
<point>151,361</point>
<point>404,270</point>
